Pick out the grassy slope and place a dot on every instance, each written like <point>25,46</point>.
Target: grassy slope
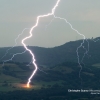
<point>12,81</point>
<point>96,65</point>
<point>62,73</point>
<point>59,54</point>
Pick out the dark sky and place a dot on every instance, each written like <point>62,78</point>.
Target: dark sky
<point>16,15</point>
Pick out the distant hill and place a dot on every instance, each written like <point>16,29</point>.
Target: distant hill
<point>57,55</point>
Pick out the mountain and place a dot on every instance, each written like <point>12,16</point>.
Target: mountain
<point>59,54</point>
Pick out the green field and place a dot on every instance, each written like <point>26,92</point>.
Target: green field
<point>96,65</point>
<point>10,82</point>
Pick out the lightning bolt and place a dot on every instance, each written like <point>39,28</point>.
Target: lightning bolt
<point>86,51</point>
<point>13,46</point>
<point>77,33</point>
<point>33,57</point>
<point>4,61</point>
<point>95,40</point>
<point>13,57</point>
<point>31,30</point>
<point>48,24</point>
<point>30,35</point>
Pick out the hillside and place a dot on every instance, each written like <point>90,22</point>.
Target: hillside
<point>51,85</point>
<point>65,73</point>
<point>55,55</point>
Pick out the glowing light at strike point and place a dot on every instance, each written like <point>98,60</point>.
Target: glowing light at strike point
<point>33,57</point>
<point>23,86</point>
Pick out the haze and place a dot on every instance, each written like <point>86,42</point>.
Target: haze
<point>15,15</point>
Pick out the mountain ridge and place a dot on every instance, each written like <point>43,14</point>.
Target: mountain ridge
<point>58,54</point>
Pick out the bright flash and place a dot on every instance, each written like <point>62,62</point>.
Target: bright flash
<point>25,86</point>
<point>31,30</point>
<point>28,85</point>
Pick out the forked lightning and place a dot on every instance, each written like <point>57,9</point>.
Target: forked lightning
<point>30,35</point>
<point>31,30</point>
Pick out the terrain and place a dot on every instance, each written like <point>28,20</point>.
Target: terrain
<point>49,83</point>
<point>58,71</point>
<point>57,55</point>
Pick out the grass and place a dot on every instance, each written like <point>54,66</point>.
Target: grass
<point>63,69</point>
<point>47,84</point>
<point>37,85</point>
<point>90,74</point>
<point>8,78</point>
<point>11,67</point>
<point>96,65</point>
<point>6,81</point>
<point>10,83</point>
